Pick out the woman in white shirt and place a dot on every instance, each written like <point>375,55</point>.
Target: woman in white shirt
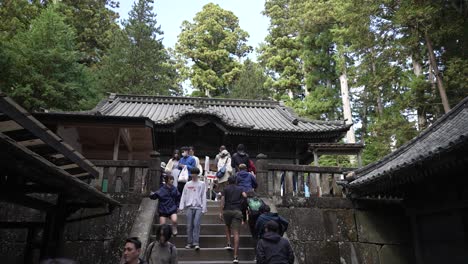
<point>224,160</point>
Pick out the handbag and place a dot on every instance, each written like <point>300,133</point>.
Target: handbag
<point>220,173</point>
<point>184,175</point>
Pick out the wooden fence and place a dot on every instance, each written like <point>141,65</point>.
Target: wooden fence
<point>128,176</point>
<point>298,180</point>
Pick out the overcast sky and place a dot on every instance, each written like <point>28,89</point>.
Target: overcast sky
<point>171,13</point>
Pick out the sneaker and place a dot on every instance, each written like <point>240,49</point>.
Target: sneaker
<point>174,231</point>
<point>197,247</point>
<point>228,247</point>
<point>188,246</point>
<point>236,260</point>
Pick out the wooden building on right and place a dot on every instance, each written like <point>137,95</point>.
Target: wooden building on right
<point>427,177</point>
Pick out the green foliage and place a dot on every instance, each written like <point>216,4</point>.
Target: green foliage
<point>15,16</point>
<point>43,65</point>
<point>137,62</point>
<point>250,83</point>
<point>94,22</point>
<point>212,45</point>
<point>281,52</point>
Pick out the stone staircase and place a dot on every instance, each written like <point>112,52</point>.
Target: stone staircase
<point>212,240</point>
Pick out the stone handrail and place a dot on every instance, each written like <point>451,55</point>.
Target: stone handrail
<point>276,180</point>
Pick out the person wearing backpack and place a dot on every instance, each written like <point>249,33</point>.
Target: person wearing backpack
<point>161,251</point>
<point>269,216</point>
<point>224,169</point>
<point>253,208</point>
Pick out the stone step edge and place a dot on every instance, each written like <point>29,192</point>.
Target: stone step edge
<point>208,236</point>
<point>245,225</point>
<point>214,249</point>
<point>214,262</point>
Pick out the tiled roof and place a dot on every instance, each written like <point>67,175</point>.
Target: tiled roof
<point>447,133</point>
<point>254,115</point>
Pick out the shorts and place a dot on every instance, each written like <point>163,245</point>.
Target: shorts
<point>166,215</point>
<point>233,218</point>
<point>221,186</point>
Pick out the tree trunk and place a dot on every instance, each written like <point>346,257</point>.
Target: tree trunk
<point>433,62</point>
<point>422,121</point>
<point>364,117</point>
<point>350,137</point>
<point>379,96</point>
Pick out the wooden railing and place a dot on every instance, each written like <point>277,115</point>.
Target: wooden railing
<point>298,180</point>
<point>128,176</point>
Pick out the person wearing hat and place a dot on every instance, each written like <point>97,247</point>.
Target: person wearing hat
<point>224,160</point>
<point>218,156</point>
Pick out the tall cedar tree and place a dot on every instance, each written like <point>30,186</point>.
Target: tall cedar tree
<point>137,62</point>
<point>94,22</point>
<point>281,52</point>
<point>250,83</point>
<point>212,45</point>
<point>45,72</point>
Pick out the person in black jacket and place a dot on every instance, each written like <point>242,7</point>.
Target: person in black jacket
<point>240,157</point>
<point>272,248</point>
<point>269,216</point>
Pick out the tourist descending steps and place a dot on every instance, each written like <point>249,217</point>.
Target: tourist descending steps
<point>186,163</point>
<point>161,251</point>
<point>272,248</point>
<point>224,169</point>
<point>172,167</point>
<point>232,199</point>
<point>245,180</point>
<point>218,156</point>
<point>167,208</point>
<point>132,251</point>
<point>193,201</point>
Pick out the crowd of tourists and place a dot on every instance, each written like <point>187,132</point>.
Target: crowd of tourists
<point>182,191</point>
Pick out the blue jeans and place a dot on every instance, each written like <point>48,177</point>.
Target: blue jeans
<point>193,225</point>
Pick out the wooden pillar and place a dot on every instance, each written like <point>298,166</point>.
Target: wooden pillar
<point>154,171</point>
<point>115,155</point>
<point>317,177</point>
<point>359,158</point>
<point>52,243</point>
<point>262,174</point>
<point>416,241</point>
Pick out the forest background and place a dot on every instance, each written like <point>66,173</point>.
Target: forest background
<point>391,67</point>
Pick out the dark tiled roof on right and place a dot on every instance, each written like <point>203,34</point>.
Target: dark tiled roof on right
<point>450,131</point>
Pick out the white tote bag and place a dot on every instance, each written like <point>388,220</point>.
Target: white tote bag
<point>183,176</point>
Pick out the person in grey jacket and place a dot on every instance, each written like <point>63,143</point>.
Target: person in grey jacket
<point>193,201</point>
<point>272,248</point>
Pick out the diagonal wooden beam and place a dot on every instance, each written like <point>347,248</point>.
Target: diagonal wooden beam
<point>127,139</point>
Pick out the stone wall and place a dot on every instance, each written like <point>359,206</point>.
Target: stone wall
<point>91,241</point>
<point>333,230</point>
<point>101,239</point>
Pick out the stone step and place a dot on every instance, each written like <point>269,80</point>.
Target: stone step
<point>212,204</point>
<point>210,218</point>
<point>212,241</point>
<point>205,229</point>
<point>214,254</point>
<point>215,262</point>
